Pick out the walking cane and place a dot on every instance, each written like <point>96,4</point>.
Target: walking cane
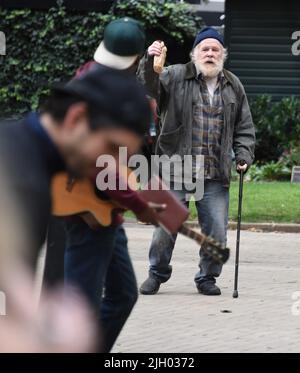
<point>237,252</point>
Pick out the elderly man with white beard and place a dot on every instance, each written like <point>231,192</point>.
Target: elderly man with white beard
<point>203,112</point>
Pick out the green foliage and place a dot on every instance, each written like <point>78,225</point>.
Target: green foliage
<point>47,47</point>
<point>254,173</point>
<point>287,121</point>
<point>271,171</point>
<point>277,126</point>
<point>171,18</point>
<point>291,157</point>
<point>43,48</point>
<point>275,171</point>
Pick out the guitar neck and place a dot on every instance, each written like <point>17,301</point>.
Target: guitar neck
<point>209,245</point>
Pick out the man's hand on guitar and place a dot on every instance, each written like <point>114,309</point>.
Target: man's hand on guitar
<point>149,215</point>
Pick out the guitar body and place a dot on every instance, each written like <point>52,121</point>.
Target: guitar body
<point>80,200</point>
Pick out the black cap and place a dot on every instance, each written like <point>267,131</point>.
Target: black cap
<point>208,33</point>
<point>115,95</point>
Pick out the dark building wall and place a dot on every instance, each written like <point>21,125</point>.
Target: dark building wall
<point>211,18</point>
<point>258,34</point>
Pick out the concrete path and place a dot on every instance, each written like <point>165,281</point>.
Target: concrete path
<point>264,318</point>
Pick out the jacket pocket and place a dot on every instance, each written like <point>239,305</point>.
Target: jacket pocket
<point>172,142</point>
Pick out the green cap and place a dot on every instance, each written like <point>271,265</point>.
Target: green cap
<point>124,40</point>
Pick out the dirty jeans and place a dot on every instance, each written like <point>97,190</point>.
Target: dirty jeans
<point>212,212</point>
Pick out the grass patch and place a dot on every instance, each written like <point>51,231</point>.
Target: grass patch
<point>276,202</point>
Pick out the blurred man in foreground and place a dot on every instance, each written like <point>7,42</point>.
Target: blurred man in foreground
<point>80,121</point>
<point>97,259</point>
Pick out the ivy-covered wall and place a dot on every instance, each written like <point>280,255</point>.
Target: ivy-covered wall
<point>43,47</point>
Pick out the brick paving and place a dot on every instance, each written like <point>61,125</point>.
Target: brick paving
<point>178,319</point>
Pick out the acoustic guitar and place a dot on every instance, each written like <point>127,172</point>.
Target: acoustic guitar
<point>79,198</point>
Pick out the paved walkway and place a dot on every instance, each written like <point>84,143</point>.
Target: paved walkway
<point>178,319</point>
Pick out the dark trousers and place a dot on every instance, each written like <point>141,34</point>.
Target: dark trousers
<point>55,252</point>
<point>97,262</point>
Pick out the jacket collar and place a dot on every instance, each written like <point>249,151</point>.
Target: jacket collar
<point>190,71</point>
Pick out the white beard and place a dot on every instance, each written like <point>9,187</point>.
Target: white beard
<point>209,70</point>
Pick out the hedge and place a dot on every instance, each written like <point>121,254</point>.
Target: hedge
<point>277,127</point>
<point>43,47</point>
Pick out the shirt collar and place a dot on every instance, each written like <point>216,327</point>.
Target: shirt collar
<point>49,149</point>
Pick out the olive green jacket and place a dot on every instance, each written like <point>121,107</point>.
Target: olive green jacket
<point>176,90</point>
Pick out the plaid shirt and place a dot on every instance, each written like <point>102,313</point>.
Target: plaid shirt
<point>207,130</point>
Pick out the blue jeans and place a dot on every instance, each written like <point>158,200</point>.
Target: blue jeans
<point>97,262</point>
<point>212,212</point>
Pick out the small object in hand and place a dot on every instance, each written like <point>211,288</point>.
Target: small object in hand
<point>159,61</point>
<point>143,222</point>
